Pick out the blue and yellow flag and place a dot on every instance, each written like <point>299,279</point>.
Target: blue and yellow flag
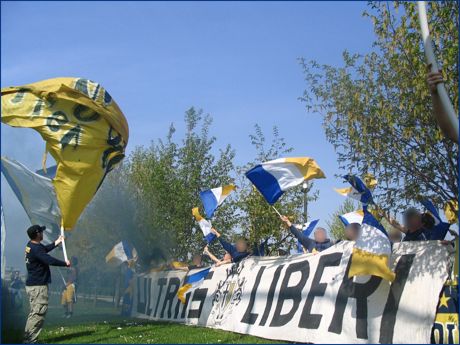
<point>358,190</point>
<point>84,129</point>
<point>372,250</point>
<point>191,281</point>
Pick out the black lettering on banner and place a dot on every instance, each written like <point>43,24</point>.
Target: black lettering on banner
<point>170,296</point>
<point>293,293</point>
<point>271,293</point>
<point>56,120</point>
<point>161,282</point>
<point>349,289</point>
<point>141,295</point>
<point>178,304</point>
<point>85,114</point>
<point>149,297</point>
<point>249,317</point>
<point>184,309</point>
<point>387,324</point>
<point>199,295</point>
<point>307,319</point>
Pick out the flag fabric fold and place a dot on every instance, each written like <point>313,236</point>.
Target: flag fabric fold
<point>205,225</point>
<point>84,130</point>
<point>451,211</point>
<point>372,250</point>
<point>358,190</point>
<point>192,281</point>
<point>121,252</point>
<point>36,195</point>
<point>439,231</point>
<point>352,217</point>
<point>213,198</point>
<point>307,229</point>
<point>274,177</point>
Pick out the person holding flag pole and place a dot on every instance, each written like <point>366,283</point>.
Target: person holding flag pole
<point>443,110</point>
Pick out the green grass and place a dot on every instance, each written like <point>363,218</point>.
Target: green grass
<point>103,324</point>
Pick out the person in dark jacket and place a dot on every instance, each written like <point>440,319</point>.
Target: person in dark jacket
<point>413,226</point>
<point>38,263</point>
<point>320,242</point>
<point>238,251</point>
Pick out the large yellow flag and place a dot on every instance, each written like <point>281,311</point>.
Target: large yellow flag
<point>84,129</point>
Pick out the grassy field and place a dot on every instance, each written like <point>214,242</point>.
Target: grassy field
<point>103,324</point>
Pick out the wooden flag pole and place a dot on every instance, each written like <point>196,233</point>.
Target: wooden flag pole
<point>279,214</point>
<point>429,53</point>
<point>64,250</point>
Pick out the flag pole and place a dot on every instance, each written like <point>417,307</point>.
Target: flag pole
<point>279,214</point>
<point>62,277</point>
<point>429,54</point>
<point>64,250</point>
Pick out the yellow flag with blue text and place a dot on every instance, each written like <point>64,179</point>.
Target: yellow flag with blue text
<point>84,129</point>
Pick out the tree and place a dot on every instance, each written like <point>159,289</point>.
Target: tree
<point>335,225</point>
<point>168,177</point>
<point>259,222</point>
<point>376,109</point>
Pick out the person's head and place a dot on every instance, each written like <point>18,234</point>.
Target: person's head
<point>35,232</point>
<point>320,235</point>
<point>352,231</point>
<point>241,245</point>
<point>15,275</point>
<point>395,236</point>
<point>428,220</point>
<point>227,256</point>
<point>412,219</point>
<point>196,260</point>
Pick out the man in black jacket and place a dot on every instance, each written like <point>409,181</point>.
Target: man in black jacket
<point>38,263</point>
<point>320,243</point>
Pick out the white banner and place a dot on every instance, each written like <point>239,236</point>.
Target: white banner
<point>308,297</point>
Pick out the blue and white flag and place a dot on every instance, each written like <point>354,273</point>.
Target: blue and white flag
<point>213,198</point>
<point>205,225</point>
<point>275,177</point>
<point>357,191</point>
<point>121,252</point>
<point>36,194</point>
<point>307,230</point>
<point>439,231</point>
<point>352,217</point>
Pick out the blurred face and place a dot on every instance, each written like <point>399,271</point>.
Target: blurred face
<point>39,237</point>
<point>320,235</point>
<point>414,222</point>
<point>395,236</point>
<point>196,260</point>
<point>227,256</point>
<point>351,232</point>
<point>241,246</point>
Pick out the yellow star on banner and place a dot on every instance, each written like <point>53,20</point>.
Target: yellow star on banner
<point>443,300</point>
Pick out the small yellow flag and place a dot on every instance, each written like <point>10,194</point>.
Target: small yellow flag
<point>84,129</point>
<point>451,211</point>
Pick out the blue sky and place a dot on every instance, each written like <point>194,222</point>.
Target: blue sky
<point>235,60</point>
